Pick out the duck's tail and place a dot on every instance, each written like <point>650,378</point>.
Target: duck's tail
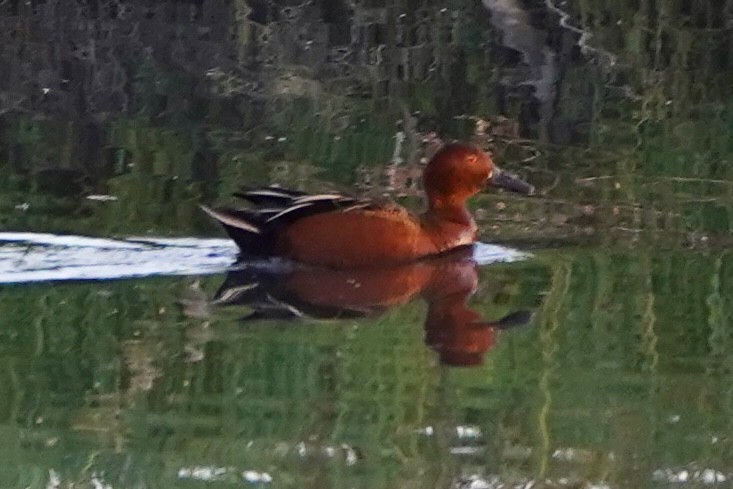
<point>244,227</point>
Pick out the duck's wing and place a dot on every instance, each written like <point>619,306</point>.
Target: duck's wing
<point>274,206</point>
<point>254,228</point>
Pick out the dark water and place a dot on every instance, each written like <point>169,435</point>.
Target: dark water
<point>589,345</point>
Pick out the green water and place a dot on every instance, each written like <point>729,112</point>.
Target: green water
<point>624,371</point>
<point>621,378</point>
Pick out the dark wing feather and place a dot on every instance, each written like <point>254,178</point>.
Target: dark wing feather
<point>269,196</point>
<point>275,206</point>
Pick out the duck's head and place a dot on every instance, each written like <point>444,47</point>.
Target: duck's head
<point>459,171</point>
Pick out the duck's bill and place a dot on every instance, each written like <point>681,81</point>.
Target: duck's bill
<point>509,181</point>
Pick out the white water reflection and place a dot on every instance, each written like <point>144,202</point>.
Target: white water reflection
<point>38,257</point>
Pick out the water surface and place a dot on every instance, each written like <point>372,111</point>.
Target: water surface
<point>585,343</point>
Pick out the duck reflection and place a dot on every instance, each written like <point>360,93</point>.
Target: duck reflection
<point>458,334</point>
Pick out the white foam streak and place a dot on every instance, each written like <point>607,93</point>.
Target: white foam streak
<point>31,257</point>
<point>486,254</point>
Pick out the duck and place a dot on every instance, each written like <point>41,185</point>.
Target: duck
<point>340,231</point>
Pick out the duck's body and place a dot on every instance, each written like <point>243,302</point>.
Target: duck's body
<point>339,231</point>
